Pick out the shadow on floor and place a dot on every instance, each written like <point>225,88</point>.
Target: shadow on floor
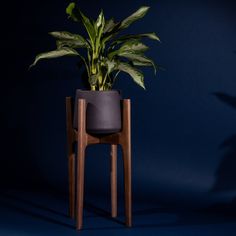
<point>143,218</point>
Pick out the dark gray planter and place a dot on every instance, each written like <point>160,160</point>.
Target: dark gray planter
<point>103,114</point>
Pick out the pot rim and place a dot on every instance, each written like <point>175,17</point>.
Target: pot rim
<point>99,91</point>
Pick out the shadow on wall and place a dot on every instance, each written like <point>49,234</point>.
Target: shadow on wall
<point>226,172</point>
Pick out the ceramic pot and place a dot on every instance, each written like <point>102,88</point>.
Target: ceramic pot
<point>103,114</point>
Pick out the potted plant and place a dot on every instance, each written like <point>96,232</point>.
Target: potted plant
<point>106,54</point>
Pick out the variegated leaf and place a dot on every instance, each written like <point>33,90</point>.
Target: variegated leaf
<point>131,46</point>
<point>136,75</point>
<point>89,28</point>
<point>69,39</point>
<point>100,20</point>
<point>93,79</point>
<point>122,39</point>
<point>99,26</point>
<point>54,54</point>
<point>111,65</point>
<point>139,58</point>
<point>109,26</point>
<point>140,13</point>
<point>70,44</point>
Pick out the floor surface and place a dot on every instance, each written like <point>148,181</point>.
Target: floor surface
<point>41,213</point>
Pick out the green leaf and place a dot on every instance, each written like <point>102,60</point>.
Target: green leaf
<point>99,27</point>
<point>136,75</point>
<point>69,40</point>
<point>89,28</point>
<point>93,79</point>
<point>133,46</point>
<point>139,58</point>
<point>54,54</point>
<point>72,11</point>
<point>109,26</point>
<point>111,65</point>
<point>138,36</point>
<point>100,22</point>
<point>139,63</point>
<point>122,39</point>
<point>70,8</point>
<point>130,46</point>
<point>64,35</point>
<point>140,13</point>
<point>114,29</point>
<point>70,44</point>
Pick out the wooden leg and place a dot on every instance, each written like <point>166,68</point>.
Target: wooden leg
<point>71,157</point>
<point>72,185</point>
<point>114,180</point>
<point>82,143</point>
<point>125,141</point>
<point>127,182</point>
<point>80,188</point>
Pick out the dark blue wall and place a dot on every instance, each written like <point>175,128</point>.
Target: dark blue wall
<point>184,133</point>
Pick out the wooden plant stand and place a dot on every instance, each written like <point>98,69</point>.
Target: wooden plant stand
<point>76,167</point>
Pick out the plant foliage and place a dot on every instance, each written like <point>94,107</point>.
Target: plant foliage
<point>108,52</point>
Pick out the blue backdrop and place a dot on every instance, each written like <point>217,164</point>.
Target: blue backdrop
<point>183,125</point>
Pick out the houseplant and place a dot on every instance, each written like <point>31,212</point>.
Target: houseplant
<point>106,54</point>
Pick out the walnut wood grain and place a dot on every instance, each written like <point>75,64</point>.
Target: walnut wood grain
<point>114,180</point>
<point>71,157</point>
<point>84,139</point>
